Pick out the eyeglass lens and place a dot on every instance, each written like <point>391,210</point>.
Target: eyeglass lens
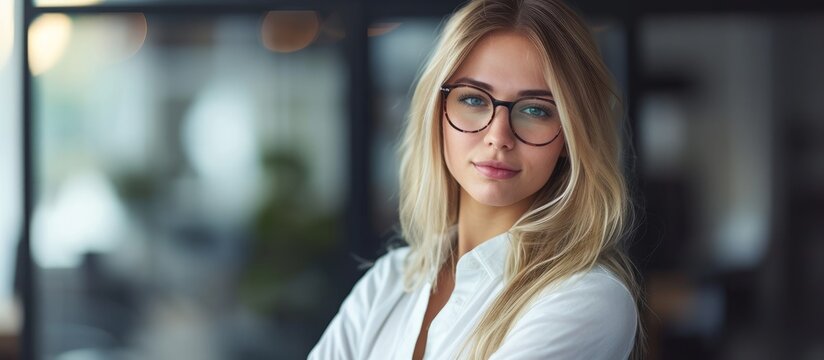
<point>533,120</point>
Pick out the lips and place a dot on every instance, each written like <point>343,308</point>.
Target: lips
<point>495,169</point>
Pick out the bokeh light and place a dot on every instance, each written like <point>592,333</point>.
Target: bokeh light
<point>85,216</point>
<point>49,35</point>
<point>378,29</point>
<point>124,36</point>
<point>289,31</point>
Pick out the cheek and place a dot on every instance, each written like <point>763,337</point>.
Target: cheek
<point>549,167</point>
<point>453,146</point>
<point>544,163</point>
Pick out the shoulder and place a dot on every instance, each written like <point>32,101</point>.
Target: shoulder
<point>598,282</point>
<point>390,264</point>
<point>386,273</point>
<point>590,315</point>
<point>366,306</point>
<point>596,297</point>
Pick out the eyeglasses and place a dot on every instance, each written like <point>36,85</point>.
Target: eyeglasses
<point>533,120</point>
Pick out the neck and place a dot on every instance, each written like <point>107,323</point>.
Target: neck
<point>478,223</point>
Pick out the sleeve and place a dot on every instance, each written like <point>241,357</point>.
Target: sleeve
<point>595,318</point>
<point>341,339</point>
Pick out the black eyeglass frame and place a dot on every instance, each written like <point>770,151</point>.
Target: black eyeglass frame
<point>446,88</point>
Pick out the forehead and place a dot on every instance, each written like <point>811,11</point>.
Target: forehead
<point>507,60</point>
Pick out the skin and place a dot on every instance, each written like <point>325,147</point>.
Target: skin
<point>509,63</point>
<point>489,206</point>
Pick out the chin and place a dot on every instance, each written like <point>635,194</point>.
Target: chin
<point>493,197</point>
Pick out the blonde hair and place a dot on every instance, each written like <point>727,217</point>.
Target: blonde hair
<point>580,217</point>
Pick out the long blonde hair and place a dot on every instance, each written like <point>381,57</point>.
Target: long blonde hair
<point>580,217</point>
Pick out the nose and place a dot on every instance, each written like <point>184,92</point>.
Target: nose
<point>499,135</point>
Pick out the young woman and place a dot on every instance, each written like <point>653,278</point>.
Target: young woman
<point>512,202</point>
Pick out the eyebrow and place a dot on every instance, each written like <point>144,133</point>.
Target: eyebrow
<point>489,88</point>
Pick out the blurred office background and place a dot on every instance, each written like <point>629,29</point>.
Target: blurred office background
<point>204,178</point>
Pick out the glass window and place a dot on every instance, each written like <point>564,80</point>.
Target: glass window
<point>190,177</point>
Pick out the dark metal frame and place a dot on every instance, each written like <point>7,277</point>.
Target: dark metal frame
<point>358,15</point>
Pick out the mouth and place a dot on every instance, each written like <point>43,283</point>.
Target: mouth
<point>495,170</point>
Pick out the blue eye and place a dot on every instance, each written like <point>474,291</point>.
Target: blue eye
<point>535,111</point>
<point>472,101</point>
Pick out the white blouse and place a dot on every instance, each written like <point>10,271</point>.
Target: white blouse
<point>588,316</point>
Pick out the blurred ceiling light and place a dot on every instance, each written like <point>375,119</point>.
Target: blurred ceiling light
<point>46,3</point>
<point>48,38</point>
<point>140,29</point>
<point>378,29</point>
<point>117,36</point>
<point>6,30</point>
<point>288,31</point>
